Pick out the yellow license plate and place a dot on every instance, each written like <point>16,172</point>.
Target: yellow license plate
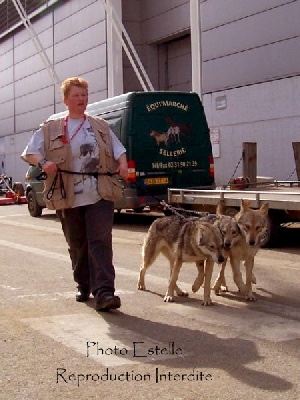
<point>157,181</point>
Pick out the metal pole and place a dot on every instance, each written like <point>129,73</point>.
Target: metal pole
<point>195,21</point>
<point>110,56</point>
<point>120,29</point>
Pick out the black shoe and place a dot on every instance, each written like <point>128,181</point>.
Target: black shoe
<point>82,295</point>
<point>107,303</point>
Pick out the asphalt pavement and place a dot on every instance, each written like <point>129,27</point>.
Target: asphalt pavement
<point>55,348</point>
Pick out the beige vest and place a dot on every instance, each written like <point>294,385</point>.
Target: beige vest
<point>109,188</point>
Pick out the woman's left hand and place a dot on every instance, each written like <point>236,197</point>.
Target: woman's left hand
<point>123,171</point>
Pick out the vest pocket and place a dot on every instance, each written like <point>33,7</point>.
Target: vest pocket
<point>110,188</point>
<point>117,188</point>
<point>56,143</point>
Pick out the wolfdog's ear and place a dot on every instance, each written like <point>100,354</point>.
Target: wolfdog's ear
<point>245,205</point>
<point>264,208</point>
<point>220,208</point>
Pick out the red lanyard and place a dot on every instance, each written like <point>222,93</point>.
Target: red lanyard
<point>64,138</point>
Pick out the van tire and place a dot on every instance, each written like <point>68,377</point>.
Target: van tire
<point>35,210</point>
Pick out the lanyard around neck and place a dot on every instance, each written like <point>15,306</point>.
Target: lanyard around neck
<point>65,139</point>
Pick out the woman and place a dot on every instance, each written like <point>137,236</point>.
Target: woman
<point>82,159</point>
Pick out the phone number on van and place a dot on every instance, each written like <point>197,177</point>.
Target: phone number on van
<point>174,164</point>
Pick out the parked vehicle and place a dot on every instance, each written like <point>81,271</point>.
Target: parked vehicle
<point>167,141</point>
<point>13,192</point>
<point>34,192</point>
<point>283,198</point>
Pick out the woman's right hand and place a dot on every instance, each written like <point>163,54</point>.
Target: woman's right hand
<point>49,167</point>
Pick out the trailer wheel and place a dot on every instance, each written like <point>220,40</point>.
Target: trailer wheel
<point>35,210</point>
<point>231,211</point>
<point>138,210</point>
<point>167,212</point>
<point>18,188</point>
<point>271,238</point>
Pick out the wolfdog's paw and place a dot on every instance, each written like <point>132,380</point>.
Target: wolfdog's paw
<point>141,286</point>
<point>218,289</point>
<point>207,302</point>
<point>224,288</point>
<point>168,299</point>
<point>183,293</point>
<point>251,297</point>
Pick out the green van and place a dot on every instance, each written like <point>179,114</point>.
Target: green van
<point>167,140</point>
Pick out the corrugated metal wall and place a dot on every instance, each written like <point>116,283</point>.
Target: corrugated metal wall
<point>246,42</point>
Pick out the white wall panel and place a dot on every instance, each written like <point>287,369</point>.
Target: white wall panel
<point>27,49</point>
<point>166,24</point>
<point>71,8</point>
<point>6,126</point>
<point>267,114</point>
<point>82,63</point>
<point>6,45</point>
<point>7,109</point>
<point>77,21</point>
<point>97,83</point>
<point>88,38</point>
<point>275,25</point>
<point>32,83</point>
<point>7,93</point>
<point>32,120</point>
<point>220,12</point>
<point>252,66</point>
<point>268,101</point>
<point>31,65</point>
<point>34,101</point>
<point>249,42</point>
<point>14,146</point>
<point>6,61</point>
<point>100,95</point>
<point>154,8</point>
<point>6,77</point>
<point>40,25</point>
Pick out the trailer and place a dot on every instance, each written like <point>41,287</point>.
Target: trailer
<point>283,198</point>
<point>12,193</point>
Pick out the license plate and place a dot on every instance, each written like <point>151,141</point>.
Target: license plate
<point>157,181</point>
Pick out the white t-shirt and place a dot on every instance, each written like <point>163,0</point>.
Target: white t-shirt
<point>85,153</point>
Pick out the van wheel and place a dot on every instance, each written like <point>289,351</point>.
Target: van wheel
<point>138,210</point>
<point>35,210</point>
<point>18,188</point>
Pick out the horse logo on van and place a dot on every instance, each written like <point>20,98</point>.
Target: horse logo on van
<point>173,133</point>
<point>160,137</point>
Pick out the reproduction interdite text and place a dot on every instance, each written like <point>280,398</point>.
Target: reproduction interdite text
<point>138,350</point>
